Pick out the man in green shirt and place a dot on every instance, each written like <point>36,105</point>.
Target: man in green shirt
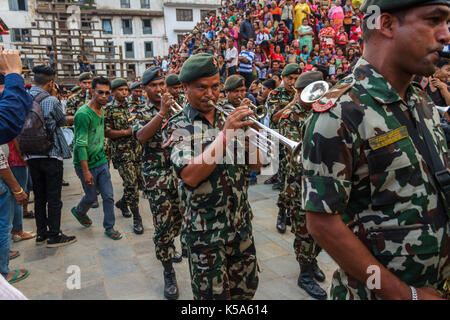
<point>90,160</point>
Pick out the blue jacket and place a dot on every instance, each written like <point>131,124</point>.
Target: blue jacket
<point>15,104</point>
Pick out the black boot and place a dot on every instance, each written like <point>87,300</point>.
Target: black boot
<point>288,219</point>
<point>184,253</point>
<point>137,221</point>
<point>306,282</point>
<point>170,282</point>
<point>124,208</point>
<point>177,257</point>
<point>318,274</point>
<point>281,221</point>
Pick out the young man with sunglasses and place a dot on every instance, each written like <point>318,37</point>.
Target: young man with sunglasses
<point>90,160</point>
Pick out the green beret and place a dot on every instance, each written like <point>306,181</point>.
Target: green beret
<point>233,82</point>
<point>152,74</point>
<point>85,76</point>
<point>118,82</point>
<point>135,85</point>
<point>291,68</point>
<point>75,89</point>
<point>391,5</point>
<point>201,65</point>
<point>306,78</point>
<point>172,80</point>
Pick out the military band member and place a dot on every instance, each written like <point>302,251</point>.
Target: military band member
<point>217,215</point>
<point>136,96</point>
<point>175,88</point>
<point>306,249</point>
<point>123,151</point>
<point>371,192</point>
<point>160,186</point>
<point>80,98</point>
<point>278,102</point>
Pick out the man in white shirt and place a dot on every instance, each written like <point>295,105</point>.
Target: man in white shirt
<point>231,58</point>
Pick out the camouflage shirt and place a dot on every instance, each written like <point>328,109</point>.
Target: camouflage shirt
<point>277,100</point>
<point>181,99</point>
<point>133,105</point>
<point>291,124</point>
<point>156,168</point>
<point>117,117</point>
<point>75,102</point>
<point>217,211</point>
<point>359,164</point>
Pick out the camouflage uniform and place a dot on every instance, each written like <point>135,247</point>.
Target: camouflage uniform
<point>379,186</point>
<point>123,151</point>
<point>277,100</point>
<point>159,187</point>
<point>217,215</point>
<point>306,249</point>
<point>181,99</point>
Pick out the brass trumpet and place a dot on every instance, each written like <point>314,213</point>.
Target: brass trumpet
<point>260,112</point>
<point>267,140</point>
<point>175,107</point>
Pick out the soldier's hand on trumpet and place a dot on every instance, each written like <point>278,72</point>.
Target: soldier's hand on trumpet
<point>166,102</point>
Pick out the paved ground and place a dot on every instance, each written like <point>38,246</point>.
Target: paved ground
<point>128,269</point>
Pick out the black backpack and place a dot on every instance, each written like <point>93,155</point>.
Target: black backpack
<point>35,138</point>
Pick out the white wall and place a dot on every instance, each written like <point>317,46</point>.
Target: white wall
<point>15,19</point>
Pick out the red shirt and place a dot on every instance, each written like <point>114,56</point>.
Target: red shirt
<point>13,158</point>
<point>277,56</point>
<point>342,38</point>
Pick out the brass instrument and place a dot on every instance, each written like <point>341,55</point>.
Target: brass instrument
<point>266,139</point>
<point>314,91</point>
<point>175,107</point>
<point>260,112</point>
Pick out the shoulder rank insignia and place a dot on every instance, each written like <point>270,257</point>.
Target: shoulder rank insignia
<point>329,99</point>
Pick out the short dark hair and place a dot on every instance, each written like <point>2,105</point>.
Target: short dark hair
<point>442,63</point>
<point>43,74</point>
<point>100,80</point>
<point>367,32</point>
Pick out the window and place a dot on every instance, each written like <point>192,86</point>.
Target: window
<point>145,4</point>
<point>129,50</point>
<point>107,26</point>
<point>20,35</point>
<point>180,38</point>
<point>184,15</point>
<point>204,14</point>
<point>127,26</point>
<point>109,48</point>
<point>111,69</point>
<point>148,49</point>
<point>89,49</point>
<point>125,3</point>
<point>18,5</point>
<point>147,26</point>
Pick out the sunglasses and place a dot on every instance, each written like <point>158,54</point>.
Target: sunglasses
<point>103,93</point>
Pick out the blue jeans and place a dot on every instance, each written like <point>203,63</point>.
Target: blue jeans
<point>6,216</point>
<point>21,175</point>
<point>102,181</point>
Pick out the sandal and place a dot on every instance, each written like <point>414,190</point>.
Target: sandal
<point>13,254</point>
<point>84,221</point>
<point>22,235</point>
<point>15,278</point>
<point>28,215</point>
<point>114,234</point>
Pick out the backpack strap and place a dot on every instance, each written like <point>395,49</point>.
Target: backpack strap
<point>41,96</point>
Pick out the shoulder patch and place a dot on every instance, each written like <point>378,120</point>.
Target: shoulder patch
<point>329,99</point>
<point>286,114</point>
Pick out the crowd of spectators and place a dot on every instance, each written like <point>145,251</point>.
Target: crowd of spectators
<point>258,38</point>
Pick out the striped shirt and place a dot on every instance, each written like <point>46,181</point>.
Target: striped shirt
<point>246,67</point>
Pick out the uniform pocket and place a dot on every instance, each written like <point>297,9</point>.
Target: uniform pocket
<point>395,174</point>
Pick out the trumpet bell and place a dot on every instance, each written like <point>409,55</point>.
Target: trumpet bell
<point>314,91</point>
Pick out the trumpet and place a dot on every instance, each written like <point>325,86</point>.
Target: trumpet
<point>260,112</point>
<point>175,107</point>
<point>267,140</point>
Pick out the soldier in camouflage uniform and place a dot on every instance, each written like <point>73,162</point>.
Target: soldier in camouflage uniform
<point>123,150</point>
<point>371,200</point>
<point>306,249</point>
<point>217,216</point>
<point>175,88</point>
<point>280,100</point>
<point>136,96</point>
<point>160,186</point>
<point>80,98</point>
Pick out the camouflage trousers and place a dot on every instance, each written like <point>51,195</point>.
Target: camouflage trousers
<point>305,247</point>
<point>228,272</point>
<point>107,148</point>
<point>282,197</point>
<point>130,173</point>
<point>167,219</point>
